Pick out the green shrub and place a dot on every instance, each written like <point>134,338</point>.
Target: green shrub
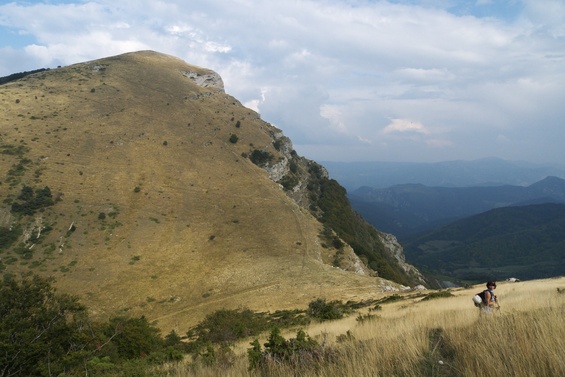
<point>337,257</point>
<point>233,138</point>
<point>51,335</point>
<point>288,182</point>
<point>391,298</point>
<point>32,200</point>
<point>293,166</point>
<point>16,171</point>
<point>277,346</point>
<point>172,339</point>
<point>208,357</point>
<point>260,158</point>
<point>13,150</point>
<point>114,214</point>
<point>438,294</point>
<point>9,236</point>
<point>325,311</point>
<point>288,318</point>
<point>337,243</point>
<point>133,337</point>
<point>98,365</point>
<point>24,252</point>
<point>165,355</point>
<point>227,326</point>
<point>277,144</point>
<point>39,325</point>
<point>26,194</point>
<point>255,355</point>
<point>298,351</point>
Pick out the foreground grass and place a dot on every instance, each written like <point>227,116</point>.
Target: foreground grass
<point>440,337</point>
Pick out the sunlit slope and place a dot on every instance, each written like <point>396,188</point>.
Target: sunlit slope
<point>156,211</point>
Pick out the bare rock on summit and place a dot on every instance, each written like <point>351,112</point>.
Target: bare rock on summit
<point>207,80</point>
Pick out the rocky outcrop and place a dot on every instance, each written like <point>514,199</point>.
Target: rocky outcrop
<point>397,251</point>
<point>297,176</point>
<point>349,261</point>
<point>210,80</point>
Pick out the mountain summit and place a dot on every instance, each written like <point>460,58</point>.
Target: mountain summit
<point>143,187</point>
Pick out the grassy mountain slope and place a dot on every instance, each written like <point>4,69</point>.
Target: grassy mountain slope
<point>526,242</point>
<point>123,179</point>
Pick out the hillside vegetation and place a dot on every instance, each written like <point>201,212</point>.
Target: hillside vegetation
<point>525,242</point>
<point>419,333</point>
<point>441,336</point>
<point>144,189</point>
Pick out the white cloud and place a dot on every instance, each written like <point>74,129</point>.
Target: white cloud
<point>364,141</point>
<point>404,126</point>
<point>422,74</point>
<point>334,115</point>
<point>216,47</point>
<point>548,15</point>
<point>340,75</point>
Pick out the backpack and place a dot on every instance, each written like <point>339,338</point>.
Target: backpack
<point>480,298</point>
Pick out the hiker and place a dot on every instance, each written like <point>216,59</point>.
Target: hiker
<point>489,298</point>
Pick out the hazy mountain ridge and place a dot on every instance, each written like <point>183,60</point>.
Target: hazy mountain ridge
<point>143,187</point>
<point>410,208</point>
<point>482,172</point>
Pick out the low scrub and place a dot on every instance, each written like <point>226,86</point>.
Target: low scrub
<point>225,327</point>
<point>261,158</point>
<point>50,334</point>
<point>327,311</point>
<point>300,352</point>
<point>30,201</point>
<point>445,336</point>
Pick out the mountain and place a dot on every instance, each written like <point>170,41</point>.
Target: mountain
<point>139,185</point>
<point>483,172</point>
<point>525,242</point>
<point>411,208</point>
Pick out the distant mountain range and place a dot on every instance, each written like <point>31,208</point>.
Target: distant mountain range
<point>483,172</point>
<point>527,242</point>
<point>470,234</point>
<point>404,210</point>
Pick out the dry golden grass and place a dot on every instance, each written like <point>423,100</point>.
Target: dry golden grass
<point>440,337</point>
<point>195,226</point>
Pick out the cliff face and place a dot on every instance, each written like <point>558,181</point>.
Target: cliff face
<point>210,80</point>
<point>300,179</point>
<point>394,247</point>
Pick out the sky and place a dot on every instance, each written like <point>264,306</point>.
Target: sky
<point>345,80</point>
